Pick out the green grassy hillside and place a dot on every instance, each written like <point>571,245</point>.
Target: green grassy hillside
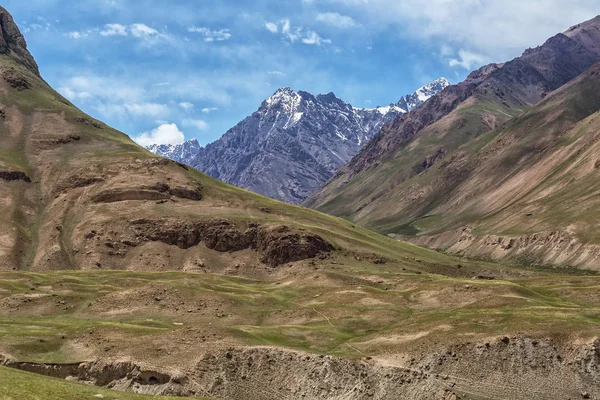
<point>26,386</point>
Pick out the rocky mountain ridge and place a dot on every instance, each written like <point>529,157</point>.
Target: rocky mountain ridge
<point>184,152</point>
<point>12,42</point>
<point>432,164</point>
<point>294,142</point>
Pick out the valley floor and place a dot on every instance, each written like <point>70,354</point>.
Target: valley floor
<point>321,329</point>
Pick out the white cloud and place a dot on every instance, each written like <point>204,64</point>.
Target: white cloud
<point>313,38</point>
<point>195,123</point>
<point>337,20</point>
<point>164,134</point>
<point>276,73</point>
<point>187,106</point>
<point>35,27</point>
<point>89,86</point>
<point>142,31</point>
<point>74,95</point>
<point>112,99</point>
<point>468,60</point>
<point>211,35</point>
<point>77,35</point>
<point>500,30</point>
<point>286,29</point>
<point>296,33</point>
<point>209,110</point>
<point>114,30</point>
<point>271,27</point>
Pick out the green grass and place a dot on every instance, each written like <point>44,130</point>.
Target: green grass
<point>315,315</point>
<point>19,385</point>
<point>346,308</point>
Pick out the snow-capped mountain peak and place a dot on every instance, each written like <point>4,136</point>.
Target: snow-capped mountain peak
<point>384,110</point>
<point>294,142</point>
<point>184,152</point>
<point>284,96</point>
<point>423,94</point>
<point>426,92</point>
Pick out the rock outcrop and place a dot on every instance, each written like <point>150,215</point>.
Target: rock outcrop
<point>12,42</point>
<point>275,244</point>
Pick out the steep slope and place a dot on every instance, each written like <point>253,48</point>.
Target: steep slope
<point>183,153</point>
<point>384,186</point>
<point>294,142</point>
<point>526,192</point>
<point>12,43</point>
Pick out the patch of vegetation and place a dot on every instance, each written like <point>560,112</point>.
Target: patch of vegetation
<point>26,386</point>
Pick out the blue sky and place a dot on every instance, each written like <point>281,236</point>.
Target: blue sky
<point>169,70</point>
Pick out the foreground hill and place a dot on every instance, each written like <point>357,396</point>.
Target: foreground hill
<point>486,169</point>
<point>128,271</point>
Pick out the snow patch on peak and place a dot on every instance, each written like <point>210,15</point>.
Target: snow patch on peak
<point>440,81</point>
<point>423,94</point>
<point>427,91</point>
<point>383,110</point>
<point>183,153</point>
<point>391,108</point>
<point>284,95</point>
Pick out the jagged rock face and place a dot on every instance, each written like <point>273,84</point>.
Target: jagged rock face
<point>275,245</point>
<point>13,43</point>
<point>183,153</point>
<point>294,143</point>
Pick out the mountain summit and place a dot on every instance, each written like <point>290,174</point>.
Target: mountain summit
<point>12,42</point>
<point>184,152</point>
<point>294,142</point>
<point>421,95</point>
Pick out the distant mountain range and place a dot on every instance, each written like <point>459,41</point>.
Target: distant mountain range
<point>294,142</point>
<point>184,152</point>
